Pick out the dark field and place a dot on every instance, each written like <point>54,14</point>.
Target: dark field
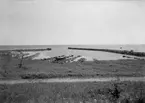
<point>95,92</point>
<point>39,69</point>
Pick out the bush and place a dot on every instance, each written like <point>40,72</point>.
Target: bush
<point>5,59</point>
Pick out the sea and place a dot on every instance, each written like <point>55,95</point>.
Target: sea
<point>58,50</point>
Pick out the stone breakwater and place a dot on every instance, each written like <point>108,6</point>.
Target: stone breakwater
<point>25,50</point>
<point>126,52</point>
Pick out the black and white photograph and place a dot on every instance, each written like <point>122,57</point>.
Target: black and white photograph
<point>72,51</point>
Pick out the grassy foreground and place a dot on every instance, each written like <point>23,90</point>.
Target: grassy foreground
<point>38,69</point>
<point>95,92</point>
<point>18,68</point>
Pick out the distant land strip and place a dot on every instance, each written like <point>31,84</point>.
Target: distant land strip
<point>140,54</point>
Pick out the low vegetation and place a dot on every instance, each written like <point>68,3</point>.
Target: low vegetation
<point>13,67</point>
<point>95,92</point>
<point>37,69</point>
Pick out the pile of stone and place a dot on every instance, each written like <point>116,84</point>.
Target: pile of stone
<point>68,59</point>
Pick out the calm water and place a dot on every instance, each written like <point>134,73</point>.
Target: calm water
<point>58,50</point>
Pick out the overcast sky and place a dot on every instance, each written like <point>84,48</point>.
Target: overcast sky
<point>44,22</point>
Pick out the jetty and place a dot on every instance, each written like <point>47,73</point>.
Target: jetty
<point>26,50</point>
<point>125,52</point>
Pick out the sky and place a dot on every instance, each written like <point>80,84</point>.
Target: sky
<point>53,22</point>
